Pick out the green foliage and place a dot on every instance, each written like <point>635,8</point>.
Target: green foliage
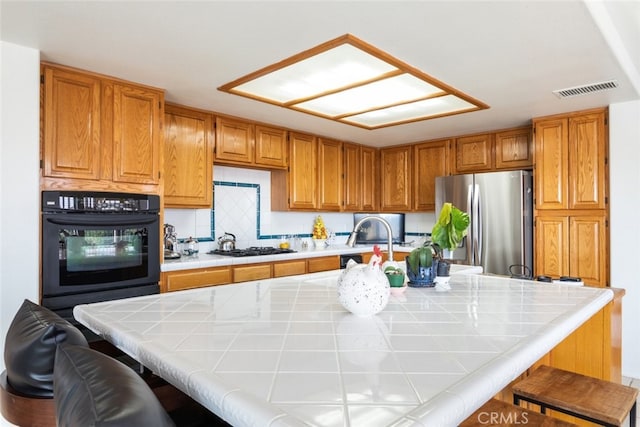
<point>393,270</point>
<point>420,257</point>
<point>451,227</point>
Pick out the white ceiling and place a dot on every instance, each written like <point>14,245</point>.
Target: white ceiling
<point>508,54</point>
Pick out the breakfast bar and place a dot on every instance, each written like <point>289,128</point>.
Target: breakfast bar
<point>283,351</point>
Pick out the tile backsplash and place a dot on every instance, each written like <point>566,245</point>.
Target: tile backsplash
<point>242,206</point>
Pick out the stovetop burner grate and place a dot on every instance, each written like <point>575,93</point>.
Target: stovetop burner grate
<point>252,251</point>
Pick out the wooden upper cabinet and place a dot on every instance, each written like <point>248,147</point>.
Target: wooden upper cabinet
<point>551,173</point>
<point>271,147</point>
<point>514,149</point>
<point>587,161</point>
<point>72,125</point>
<point>370,178</point>
<point>473,153</point>
<point>352,177</point>
<point>396,177</point>
<point>188,157</point>
<point>234,140</point>
<point>101,130</point>
<point>136,134</point>
<point>303,184</point>
<point>330,180</point>
<point>430,159</point>
<point>570,155</point>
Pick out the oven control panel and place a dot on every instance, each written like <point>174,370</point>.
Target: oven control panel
<point>82,201</point>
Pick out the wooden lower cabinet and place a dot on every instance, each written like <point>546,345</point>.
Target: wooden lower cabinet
<point>575,245</point>
<point>246,273</point>
<point>196,278</point>
<point>289,268</point>
<point>324,263</point>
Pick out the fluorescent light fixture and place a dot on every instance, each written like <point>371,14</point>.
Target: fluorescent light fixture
<point>352,82</point>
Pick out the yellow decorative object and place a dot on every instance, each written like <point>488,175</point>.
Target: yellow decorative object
<point>319,231</point>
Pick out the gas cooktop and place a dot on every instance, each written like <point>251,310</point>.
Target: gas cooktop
<point>252,251</point>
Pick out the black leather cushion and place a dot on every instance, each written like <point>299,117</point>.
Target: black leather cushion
<point>93,389</point>
<point>30,348</point>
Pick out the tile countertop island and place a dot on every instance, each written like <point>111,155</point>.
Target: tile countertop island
<point>284,352</point>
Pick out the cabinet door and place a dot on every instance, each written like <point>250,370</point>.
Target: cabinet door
<point>71,125</point>
<point>587,161</point>
<point>330,183</point>
<point>551,157</point>
<point>369,179</point>
<point>552,246</point>
<point>302,176</point>
<point>188,158</point>
<point>271,147</point>
<point>513,149</point>
<point>431,159</point>
<point>234,141</point>
<point>395,165</point>
<point>352,178</point>
<point>473,153</point>
<point>588,249</point>
<point>136,134</point>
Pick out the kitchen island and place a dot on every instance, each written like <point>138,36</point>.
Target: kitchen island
<point>285,352</point>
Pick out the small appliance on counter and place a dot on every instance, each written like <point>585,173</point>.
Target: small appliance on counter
<point>170,242</point>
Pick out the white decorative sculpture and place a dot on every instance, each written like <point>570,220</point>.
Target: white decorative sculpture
<point>363,289</point>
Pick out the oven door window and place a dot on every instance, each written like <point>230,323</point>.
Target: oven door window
<point>101,249</point>
<point>96,254</point>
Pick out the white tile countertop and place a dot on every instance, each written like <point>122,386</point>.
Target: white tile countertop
<point>208,260</point>
<point>284,352</point>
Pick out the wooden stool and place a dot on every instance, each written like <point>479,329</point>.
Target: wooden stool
<point>601,402</point>
<point>25,410</point>
<point>501,414</point>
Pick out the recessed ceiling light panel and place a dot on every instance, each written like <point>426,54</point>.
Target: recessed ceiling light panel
<point>348,80</point>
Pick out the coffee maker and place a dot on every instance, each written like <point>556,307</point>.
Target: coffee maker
<point>170,242</point>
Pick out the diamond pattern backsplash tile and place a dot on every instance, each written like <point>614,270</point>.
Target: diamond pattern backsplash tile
<point>236,211</point>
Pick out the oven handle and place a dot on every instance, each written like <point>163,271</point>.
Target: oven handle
<point>112,221</point>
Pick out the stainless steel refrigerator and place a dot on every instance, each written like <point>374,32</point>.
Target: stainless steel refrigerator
<point>500,207</point>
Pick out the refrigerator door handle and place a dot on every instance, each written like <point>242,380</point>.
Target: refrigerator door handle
<point>477,228</point>
<point>470,244</point>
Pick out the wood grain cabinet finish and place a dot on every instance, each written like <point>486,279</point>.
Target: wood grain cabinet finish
<point>234,141</point>
<point>72,124</point>
<point>325,263</point>
<point>271,147</point>
<point>514,149</point>
<point>103,131</point>
<point>136,134</point>
<point>430,160</point>
<point>196,278</point>
<point>370,179</point>
<point>571,162</point>
<point>572,246</point>
<point>246,273</point>
<point>473,153</point>
<point>330,179</point>
<point>188,158</point>
<point>289,268</point>
<point>396,177</point>
<point>297,187</point>
<point>352,165</point>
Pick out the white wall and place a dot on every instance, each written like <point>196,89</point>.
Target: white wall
<point>624,174</point>
<point>19,170</point>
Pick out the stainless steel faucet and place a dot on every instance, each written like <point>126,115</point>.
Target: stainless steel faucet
<point>351,240</point>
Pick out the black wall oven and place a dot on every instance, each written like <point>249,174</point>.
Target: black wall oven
<point>98,246</point>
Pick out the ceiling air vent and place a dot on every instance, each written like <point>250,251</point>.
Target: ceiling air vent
<point>585,89</point>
